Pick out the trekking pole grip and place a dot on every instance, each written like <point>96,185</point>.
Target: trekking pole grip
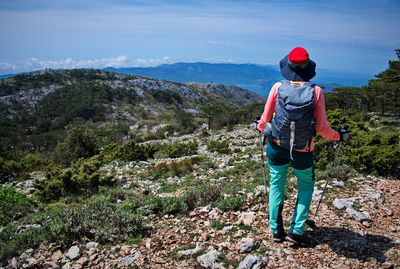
<point>345,127</point>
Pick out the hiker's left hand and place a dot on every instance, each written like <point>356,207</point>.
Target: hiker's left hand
<point>344,134</point>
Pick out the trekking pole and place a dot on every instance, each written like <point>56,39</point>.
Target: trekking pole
<point>263,163</point>
<point>311,222</point>
<point>262,143</point>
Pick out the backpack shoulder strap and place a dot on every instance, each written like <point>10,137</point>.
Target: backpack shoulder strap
<point>309,84</point>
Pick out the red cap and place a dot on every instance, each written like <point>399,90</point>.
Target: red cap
<point>298,56</point>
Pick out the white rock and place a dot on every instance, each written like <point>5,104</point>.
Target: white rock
<point>343,203</point>
<point>316,194</point>
<point>359,216</point>
<point>251,262</point>
<point>207,260</point>
<point>205,209</point>
<point>338,183</point>
<point>127,260</point>
<point>188,252</point>
<point>246,245</point>
<point>248,217</point>
<point>214,214</point>
<point>67,266</point>
<point>91,245</point>
<point>227,229</point>
<point>73,253</point>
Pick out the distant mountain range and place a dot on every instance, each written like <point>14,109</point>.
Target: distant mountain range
<point>7,76</point>
<point>257,78</point>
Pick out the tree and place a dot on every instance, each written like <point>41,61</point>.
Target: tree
<point>80,142</point>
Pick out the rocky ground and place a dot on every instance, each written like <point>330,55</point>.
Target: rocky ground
<point>358,225</point>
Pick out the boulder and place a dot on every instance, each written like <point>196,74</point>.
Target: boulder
<point>248,217</point>
<point>246,245</point>
<point>188,252</point>
<point>73,253</point>
<point>128,260</point>
<point>251,262</point>
<point>91,245</point>
<point>209,259</point>
<point>359,216</point>
<point>343,203</point>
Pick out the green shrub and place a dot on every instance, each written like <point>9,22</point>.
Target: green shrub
<point>35,162</point>
<point>202,195</point>
<point>340,171</point>
<point>174,205</point>
<point>82,177</point>
<point>13,203</point>
<point>173,168</point>
<point>217,225</point>
<point>230,203</point>
<point>219,146</point>
<point>9,169</point>
<point>178,149</point>
<point>79,142</point>
<point>13,244</point>
<point>101,221</point>
<point>134,152</point>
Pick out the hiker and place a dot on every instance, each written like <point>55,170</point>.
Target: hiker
<point>294,110</point>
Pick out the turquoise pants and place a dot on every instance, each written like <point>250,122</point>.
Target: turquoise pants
<point>303,167</point>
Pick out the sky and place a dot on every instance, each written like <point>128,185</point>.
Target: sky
<point>348,36</point>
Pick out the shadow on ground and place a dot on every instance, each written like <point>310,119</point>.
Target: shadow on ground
<point>353,245</point>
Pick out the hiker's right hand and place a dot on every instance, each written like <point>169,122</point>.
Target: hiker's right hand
<point>344,134</point>
<point>257,121</point>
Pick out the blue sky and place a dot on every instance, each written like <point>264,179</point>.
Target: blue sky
<point>350,36</point>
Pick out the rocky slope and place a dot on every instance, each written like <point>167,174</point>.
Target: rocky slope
<point>357,227</point>
<point>29,89</point>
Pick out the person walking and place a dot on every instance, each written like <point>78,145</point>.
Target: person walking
<point>294,110</point>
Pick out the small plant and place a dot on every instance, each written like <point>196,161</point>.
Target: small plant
<point>134,152</point>
<point>221,147</point>
<point>100,221</point>
<point>173,168</point>
<point>203,195</point>
<point>217,225</point>
<point>178,149</point>
<point>82,177</point>
<point>12,204</point>
<point>230,203</point>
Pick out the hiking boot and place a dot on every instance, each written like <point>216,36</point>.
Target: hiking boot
<point>301,240</point>
<point>278,237</point>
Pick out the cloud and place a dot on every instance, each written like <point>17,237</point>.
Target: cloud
<point>69,63</point>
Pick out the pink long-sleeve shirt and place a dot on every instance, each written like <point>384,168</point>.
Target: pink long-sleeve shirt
<point>322,124</point>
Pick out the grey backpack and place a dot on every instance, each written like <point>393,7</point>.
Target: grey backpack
<point>293,124</point>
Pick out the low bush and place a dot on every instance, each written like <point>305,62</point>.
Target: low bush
<point>9,169</point>
<point>14,205</point>
<point>81,177</point>
<point>173,168</point>
<point>134,152</point>
<point>221,147</point>
<point>202,195</point>
<point>230,202</point>
<point>100,221</point>
<point>178,149</point>
<point>13,244</point>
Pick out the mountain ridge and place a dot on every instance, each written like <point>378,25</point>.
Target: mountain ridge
<point>255,77</point>
<point>46,102</point>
